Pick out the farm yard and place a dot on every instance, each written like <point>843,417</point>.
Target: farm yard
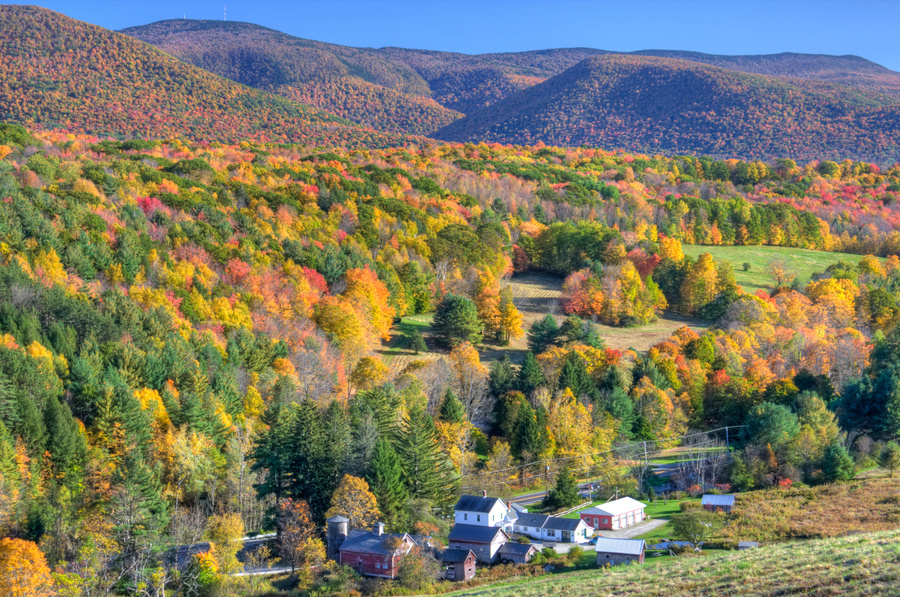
<point>535,295</point>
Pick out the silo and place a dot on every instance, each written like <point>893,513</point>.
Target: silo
<point>337,529</point>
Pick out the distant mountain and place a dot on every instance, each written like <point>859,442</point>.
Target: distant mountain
<point>60,73</point>
<point>358,84</point>
<point>652,104</point>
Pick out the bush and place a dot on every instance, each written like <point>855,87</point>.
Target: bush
<point>747,266</point>
<point>690,506</point>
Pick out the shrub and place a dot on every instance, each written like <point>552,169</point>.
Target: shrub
<point>747,266</point>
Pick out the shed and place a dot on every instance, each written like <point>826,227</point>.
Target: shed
<point>619,551</point>
<point>614,515</point>
<point>459,564</point>
<point>725,503</point>
<point>517,553</point>
<point>484,541</point>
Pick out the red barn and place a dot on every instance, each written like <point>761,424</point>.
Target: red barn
<point>615,515</point>
<point>375,553</point>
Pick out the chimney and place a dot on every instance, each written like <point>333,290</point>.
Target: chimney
<point>379,528</point>
<point>484,492</point>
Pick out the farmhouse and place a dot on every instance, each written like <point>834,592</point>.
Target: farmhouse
<point>614,515</point>
<point>484,541</point>
<point>725,503</point>
<point>484,511</point>
<point>619,551</point>
<point>459,564</point>
<point>374,553</point>
<point>541,527</point>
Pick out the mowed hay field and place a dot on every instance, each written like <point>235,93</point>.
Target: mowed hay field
<point>867,564</point>
<point>802,262</point>
<point>534,295</point>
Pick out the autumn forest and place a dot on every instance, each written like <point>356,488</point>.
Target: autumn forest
<point>227,316</point>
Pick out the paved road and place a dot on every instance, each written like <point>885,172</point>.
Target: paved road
<point>536,497</point>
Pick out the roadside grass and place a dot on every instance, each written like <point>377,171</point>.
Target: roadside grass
<point>856,565</point>
<point>803,262</point>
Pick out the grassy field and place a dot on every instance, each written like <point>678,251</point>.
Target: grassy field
<point>803,262</point>
<point>535,295</point>
<point>867,564</point>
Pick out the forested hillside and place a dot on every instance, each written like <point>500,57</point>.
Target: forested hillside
<point>191,334</point>
<point>675,106</point>
<point>357,84</point>
<point>64,74</point>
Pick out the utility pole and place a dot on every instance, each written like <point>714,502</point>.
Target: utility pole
<point>727,445</point>
<point>546,476</point>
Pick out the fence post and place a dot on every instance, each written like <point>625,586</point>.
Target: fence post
<point>727,444</point>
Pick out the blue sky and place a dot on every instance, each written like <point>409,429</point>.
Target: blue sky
<point>866,28</point>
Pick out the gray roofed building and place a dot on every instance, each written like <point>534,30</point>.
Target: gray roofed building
<point>359,541</point>
<point>562,524</point>
<point>474,503</point>
<point>612,552</point>
<point>631,547</point>
<point>531,520</point>
<point>517,553</point>
<point>718,502</point>
<point>472,533</point>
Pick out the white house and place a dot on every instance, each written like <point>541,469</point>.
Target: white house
<point>614,515</point>
<point>484,511</point>
<point>541,527</point>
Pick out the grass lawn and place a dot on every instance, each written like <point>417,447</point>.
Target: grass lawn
<point>803,262</point>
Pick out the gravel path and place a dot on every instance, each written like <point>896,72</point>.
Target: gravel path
<point>635,530</point>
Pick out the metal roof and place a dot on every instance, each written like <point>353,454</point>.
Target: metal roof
<point>473,503</point>
<point>473,533</point>
<point>338,518</point>
<point>454,555</point>
<point>717,500</point>
<point>517,548</point>
<point>616,507</point>
<point>627,547</point>
<point>359,541</point>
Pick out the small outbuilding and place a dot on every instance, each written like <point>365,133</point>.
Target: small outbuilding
<point>619,551</point>
<point>725,503</point>
<point>614,515</point>
<point>517,553</point>
<point>459,564</point>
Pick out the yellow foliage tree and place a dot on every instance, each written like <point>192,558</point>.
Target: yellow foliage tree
<point>224,533</point>
<point>23,570</point>
<point>368,373</point>
<point>670,248</point>
<point>510,317</point>
<point>353,500</point>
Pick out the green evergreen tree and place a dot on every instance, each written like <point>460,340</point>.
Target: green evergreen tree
<point>452,410</point>
<point>890,457</point>
<point>530,376</point>
<point>8,469</point>
<point>31,427</point>
<point>837,465</point>
<point>574,376</point>
<point>529,442</point>
<point>428,472</point>
<point>308,474</point>
<point>268,457</point>
<point>416,343</point>
<point>8,411</point>
<point>363,440</point>
<point>456,321</point>
<point>65,444</point>
<point>337,439</point>
<point>544,334</point>
<point>385,479</point>
<point>620,405</point>
<point>138,509</point>
<point>502,377</point>
<point>564,494</point>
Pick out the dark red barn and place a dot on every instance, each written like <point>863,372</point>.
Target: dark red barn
<point>375,553</point>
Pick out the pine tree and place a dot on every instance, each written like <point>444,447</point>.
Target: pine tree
<point>574,376</point>
<point>530,376</point>
<point>889,457</point>
<point>65,444</point>
<point>529,442</point>
<point>307,460</point>
<point>385,479</point>
<point>269,456</point>
<point>452,410</point>
<point>416,343</point>
<point>565,494</point>
<point>837,465</point>
<point>337,438</point>
<point>427,471</point>
<point>8,411</point>
<point>8,468</point>
<point>502,378</point>
<point>456,321</point>
<point>544,334</point>
<point>138,509</point>
<point>620,405</point>
<point>362,445</point>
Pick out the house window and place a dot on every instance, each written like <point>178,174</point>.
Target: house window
<point>377,565</point>
<point>465,517</point>
<point>605,520</point>
<point>478,518</point>
<point>551,533</point>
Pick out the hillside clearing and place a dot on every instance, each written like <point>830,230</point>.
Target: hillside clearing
<point>803,262</point>
<point>535,295</point>
<point>857,565</point>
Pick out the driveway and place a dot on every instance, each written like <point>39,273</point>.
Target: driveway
<point>635,530</point>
